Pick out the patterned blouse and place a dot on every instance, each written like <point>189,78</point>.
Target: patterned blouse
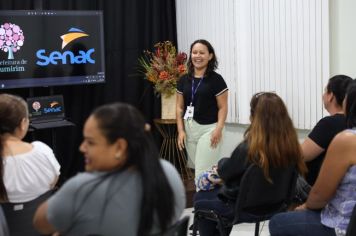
<point>337,212</point>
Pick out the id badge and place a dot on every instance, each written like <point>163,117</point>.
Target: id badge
<point>189,113</point>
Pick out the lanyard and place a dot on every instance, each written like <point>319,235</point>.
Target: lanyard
<point>194,91</point>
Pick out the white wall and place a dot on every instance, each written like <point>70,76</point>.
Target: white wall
<point>234,135</point>
<point>342,37</point>
<point>264,45</point>
<point>220,33</point>
<point>342,60</point>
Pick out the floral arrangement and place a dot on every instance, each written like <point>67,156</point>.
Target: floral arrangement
<point>164,67</point>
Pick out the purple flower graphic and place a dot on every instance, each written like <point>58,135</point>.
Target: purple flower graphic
<point>11,39</point>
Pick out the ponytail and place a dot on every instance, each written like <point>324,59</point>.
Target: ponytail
<point>119,120</point>
<point>158,197</point>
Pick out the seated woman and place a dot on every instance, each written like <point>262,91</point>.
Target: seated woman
<point>126,189</point>
<point>330,202</point>
<point>270,141</point>
<point>315,145</point>
<point>28,170</point>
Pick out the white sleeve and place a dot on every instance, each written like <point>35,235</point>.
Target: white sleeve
<point>48,153</point>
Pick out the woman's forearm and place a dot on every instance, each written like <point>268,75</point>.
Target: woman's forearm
<point>222,114</point>
<point>40,220</point>
<point>179,113</point>
<point>222,110</point>
<point>315,202</point>
<point>180,125</point>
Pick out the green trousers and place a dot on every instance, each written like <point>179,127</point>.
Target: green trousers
<point>201,156</point>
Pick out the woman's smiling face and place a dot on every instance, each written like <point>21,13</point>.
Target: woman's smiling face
<point>200,56</point>
<point>99,154</point>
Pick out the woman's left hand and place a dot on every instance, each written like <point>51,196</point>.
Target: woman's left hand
<point>215,137</point>
<point>301,207</point>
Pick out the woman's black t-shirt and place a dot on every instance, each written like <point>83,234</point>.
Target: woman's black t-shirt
<point>322,134</point>
<point>205,104</point>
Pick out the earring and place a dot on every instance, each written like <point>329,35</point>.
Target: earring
<point>117,156</point>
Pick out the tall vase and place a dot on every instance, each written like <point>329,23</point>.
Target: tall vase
<point>168,103</point>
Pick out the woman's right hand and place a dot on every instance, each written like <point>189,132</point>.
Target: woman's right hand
<point>181,140</point>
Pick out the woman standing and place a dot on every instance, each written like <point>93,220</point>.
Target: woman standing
<point>126,190</point>
<point>201,108</point>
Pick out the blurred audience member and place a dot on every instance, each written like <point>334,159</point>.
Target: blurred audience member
<point>126,190</point>
<point>27,170</point>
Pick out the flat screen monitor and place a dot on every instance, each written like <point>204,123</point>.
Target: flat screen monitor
<point>51,48</point>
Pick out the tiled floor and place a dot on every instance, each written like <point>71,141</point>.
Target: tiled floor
<point>240,229</point>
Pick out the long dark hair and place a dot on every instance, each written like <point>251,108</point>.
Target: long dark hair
<point>338,85</point>
<point>212,64</point>
<point>350,105</point>
<point>13,110</point>
<point>271,137</point>
<point>119,120</point>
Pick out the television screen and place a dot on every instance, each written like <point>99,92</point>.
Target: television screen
<point>48,48</point>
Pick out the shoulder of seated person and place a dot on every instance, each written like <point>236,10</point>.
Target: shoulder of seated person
<point>17,148</point>
<point>331,118</point>
<point>345,138</point>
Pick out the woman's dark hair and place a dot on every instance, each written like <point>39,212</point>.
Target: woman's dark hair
<point>119,120</point>
<point>338,85</point>
<point>212,64</point>
<point>13,110</point>
<point>271,137</point>
<point>350,105</point>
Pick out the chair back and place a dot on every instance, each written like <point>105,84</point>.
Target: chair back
<point>4,231</point>
<point>351,228</point>
<point>259,199</point>
<point>179,229</point>
<point>19,216</point>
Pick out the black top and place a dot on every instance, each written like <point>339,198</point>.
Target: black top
<point>322,134</point>
<point>232,169</point>
<point>205,104</point>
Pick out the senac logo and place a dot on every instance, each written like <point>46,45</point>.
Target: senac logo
<point>66,57</point>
